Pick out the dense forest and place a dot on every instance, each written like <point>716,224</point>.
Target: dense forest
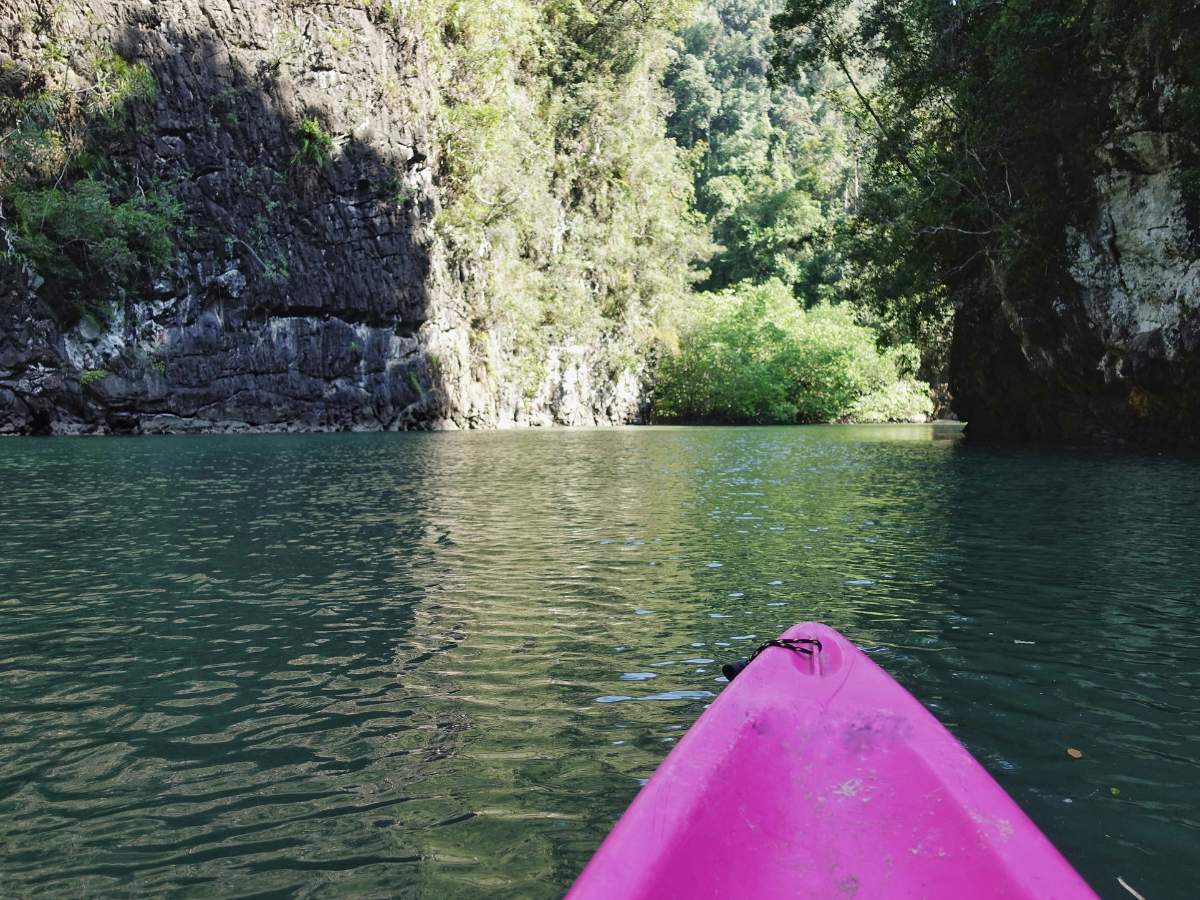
<point>757,211</point>
<point>1035,165</point>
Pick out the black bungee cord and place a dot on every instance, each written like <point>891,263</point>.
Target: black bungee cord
<point>732,670</point>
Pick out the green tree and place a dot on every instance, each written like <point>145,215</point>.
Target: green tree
<point>753,354</point>
<point>986,119</point>
<point>775,174</point>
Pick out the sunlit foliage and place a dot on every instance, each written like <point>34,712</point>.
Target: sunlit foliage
<point>68,219</point>
<point>753,354</point>
<point>567,208</point>
<point>775,166</point>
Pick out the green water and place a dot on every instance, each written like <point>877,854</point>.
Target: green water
<point>396,665</point>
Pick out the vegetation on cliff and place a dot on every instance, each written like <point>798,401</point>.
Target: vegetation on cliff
<point>618,176</point>
<point>568,209</point>
<point>87,234</point>
<point>984,123</point>
<point>913,159</point>
<point>578,217</point>
<point>776,179</point>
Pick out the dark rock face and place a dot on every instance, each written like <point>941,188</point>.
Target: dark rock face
<point>208,367</point>
<point>306,295</point>
<point>33,384</point>
<point>1104,346</point>
<point>300,290</point>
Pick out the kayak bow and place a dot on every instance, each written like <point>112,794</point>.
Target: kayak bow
<point>816,775</point>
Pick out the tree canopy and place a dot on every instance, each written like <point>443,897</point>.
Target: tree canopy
<point>773,165</point>
<point>985,120</point>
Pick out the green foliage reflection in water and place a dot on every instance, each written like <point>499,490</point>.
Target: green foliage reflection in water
<point>379,695</point>
<point>752,354</point>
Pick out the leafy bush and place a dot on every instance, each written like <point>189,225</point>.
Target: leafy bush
<point>780,172</point>
<point>117,85</point>
<point>313,144</point>
<point>905,400</point>
<point>49,123</point>
<point>60,108</point>
<point>87,247</point>
<point>753,354</point>
<point>92,375</point>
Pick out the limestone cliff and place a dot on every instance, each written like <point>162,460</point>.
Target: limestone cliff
<point>1105,347</point>
<point>303,297</point>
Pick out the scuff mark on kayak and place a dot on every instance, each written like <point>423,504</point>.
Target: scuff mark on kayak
<point>848,788</point>
<point>1003,827</point>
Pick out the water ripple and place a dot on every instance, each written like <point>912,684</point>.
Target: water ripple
<point>385,665</point>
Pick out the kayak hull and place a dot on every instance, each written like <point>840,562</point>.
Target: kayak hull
<point>818,776</point>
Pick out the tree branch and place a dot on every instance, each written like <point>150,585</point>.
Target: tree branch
<point>887,137</point>
<point>266,268</point>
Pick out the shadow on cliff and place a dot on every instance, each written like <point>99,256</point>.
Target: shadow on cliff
<point>226,139</point>
<point>335,242</point>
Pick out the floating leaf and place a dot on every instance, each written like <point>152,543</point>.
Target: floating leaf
<point>1114,790</point>
<point>1075,753</point>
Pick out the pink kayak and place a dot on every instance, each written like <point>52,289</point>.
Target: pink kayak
<point>815,775</point>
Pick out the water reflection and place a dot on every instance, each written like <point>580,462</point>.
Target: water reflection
<point>442,665</point>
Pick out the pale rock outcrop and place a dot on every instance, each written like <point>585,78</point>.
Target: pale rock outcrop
<point>1106,348</point>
